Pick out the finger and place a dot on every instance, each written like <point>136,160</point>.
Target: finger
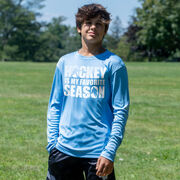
<point>100,169</point>
<point>105,171</point>
<point>109,171</point>
<point>97,164</point>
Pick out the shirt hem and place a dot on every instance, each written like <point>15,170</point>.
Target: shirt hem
<point>75,153</point>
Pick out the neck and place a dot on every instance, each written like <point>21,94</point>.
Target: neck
<point>91,49</point>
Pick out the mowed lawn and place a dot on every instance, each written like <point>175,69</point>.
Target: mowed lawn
<point>151,146</point>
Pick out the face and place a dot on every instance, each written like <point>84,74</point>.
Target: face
<point>92,30</point>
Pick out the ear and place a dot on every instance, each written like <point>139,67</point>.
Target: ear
<point>78,30</point>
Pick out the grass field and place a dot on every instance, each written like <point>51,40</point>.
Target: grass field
<point>151,147</point>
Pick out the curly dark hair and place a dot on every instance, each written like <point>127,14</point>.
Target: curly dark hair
<point>90,11</point>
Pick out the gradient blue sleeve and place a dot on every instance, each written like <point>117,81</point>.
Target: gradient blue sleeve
<point>54,110</point>
<point>120,105</point>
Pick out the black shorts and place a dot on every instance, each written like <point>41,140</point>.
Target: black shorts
<point>64,167</point>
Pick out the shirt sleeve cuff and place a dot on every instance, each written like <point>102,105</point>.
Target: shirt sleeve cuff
<point>108,155</point>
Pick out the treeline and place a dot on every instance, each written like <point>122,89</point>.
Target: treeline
<point>152,35</point>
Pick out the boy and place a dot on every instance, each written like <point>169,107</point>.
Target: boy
<point>88,106</point>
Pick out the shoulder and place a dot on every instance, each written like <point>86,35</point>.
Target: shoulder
<point>66,57</point>
<point>115,62</point>
<point>69,55</point>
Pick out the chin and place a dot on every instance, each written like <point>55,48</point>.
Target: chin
<point>93,39</point>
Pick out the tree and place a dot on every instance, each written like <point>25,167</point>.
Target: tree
<point>56,40</point>
<point>116,28</point>
<point>136,52</point>
<point>18,29</point>
<point>50,41</point>
<point>112,39</point>
<point>73,41</point>
<point>159,23</point>
<point>23,38</point>
<point>123,48</point>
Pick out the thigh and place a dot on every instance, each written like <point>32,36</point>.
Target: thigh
<point>89,166</point>
<point>63,167</point>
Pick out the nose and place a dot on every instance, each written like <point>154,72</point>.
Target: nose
<point>93,26</point>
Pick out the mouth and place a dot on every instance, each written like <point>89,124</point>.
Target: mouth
<point>91,33</point>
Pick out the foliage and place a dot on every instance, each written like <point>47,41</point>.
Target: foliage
<point>23,38</point>
<point>123,48</point>
<point>112,39</point>
<point>116,28</point>
<point>156,29</point>
<point>152,35</point>
<point>51,40</point>
<point>56,40</point>
<point>19,30</point>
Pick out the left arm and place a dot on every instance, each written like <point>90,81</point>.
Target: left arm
<point>120,104</point>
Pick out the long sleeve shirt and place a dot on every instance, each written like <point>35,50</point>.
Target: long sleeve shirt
<point>88,106</point>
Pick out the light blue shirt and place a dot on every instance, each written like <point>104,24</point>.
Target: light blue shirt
<point>88,106</point>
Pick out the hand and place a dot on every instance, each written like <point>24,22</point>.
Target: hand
<point>104,166</point>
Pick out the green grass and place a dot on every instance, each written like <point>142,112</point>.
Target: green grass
<point>151,146</point>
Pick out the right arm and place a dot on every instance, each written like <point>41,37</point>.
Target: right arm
<point>54,110</point>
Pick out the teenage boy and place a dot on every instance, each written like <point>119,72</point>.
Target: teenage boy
<point>88,106</point>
